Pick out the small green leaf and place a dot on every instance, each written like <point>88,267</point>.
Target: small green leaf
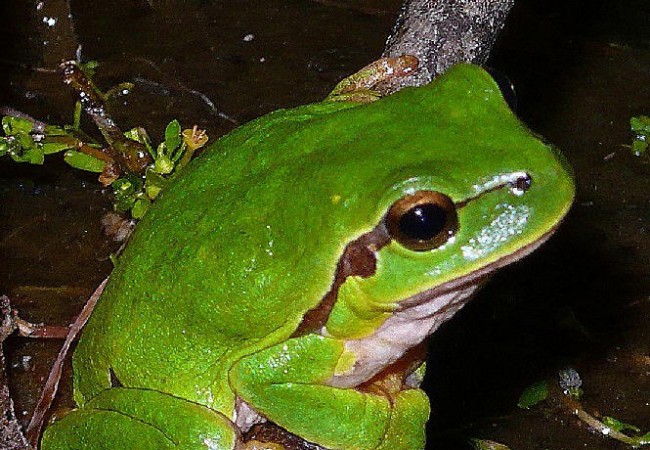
<point>4,146</point>
<point>89,67</point>
<point>76,116</point>
<point>179,152</point>
<point>123,204</point>
<point>83,161</point>
<point>140,207</point>
<point>483,444</point>
<point>35,155</point>
<point>639,147</point>
<point>24,140</point>
<point>163,164</point>
<point>125,190</point>
<point>152,191</point>
<point>54,147</point>
<point>12,125</point>
<point>533,394</point>
<point>154,184</point>
<point>640,124</point>
<point>32,155</point>
<point>617,425</point>
<point>135,135</point>
<point>53,130</point>
<point>173,136</point>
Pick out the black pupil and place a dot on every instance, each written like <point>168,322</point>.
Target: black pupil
<point>423,222</point>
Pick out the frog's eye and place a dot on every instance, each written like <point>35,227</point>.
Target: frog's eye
<point>422,221</point>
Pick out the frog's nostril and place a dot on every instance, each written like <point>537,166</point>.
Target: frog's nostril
<point>521,184</point>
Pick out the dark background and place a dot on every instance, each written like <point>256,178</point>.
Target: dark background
<point>581,70</point>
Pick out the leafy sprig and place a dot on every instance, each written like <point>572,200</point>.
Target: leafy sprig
<point>133,193</point>
<point>136,193</point>
<point>23,144</point>
<point>136,169</point>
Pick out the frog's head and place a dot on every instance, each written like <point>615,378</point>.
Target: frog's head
<point>464,190</point>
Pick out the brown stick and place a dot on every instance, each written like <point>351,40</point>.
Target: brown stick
<point>52,383</point>
<point>39,331</point>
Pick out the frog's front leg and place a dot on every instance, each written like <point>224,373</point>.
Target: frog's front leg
<point>121,418</point>
<point>288,384</point>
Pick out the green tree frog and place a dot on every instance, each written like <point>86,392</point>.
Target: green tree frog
<point>292,273</point>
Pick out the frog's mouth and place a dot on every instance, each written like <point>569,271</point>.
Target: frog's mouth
<point>359,258</point>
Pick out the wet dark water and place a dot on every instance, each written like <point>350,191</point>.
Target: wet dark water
<point>581,70</point>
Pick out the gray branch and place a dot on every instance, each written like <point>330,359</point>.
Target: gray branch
<point>442,33</point>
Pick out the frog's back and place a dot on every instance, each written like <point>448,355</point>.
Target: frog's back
<point>210,271</point>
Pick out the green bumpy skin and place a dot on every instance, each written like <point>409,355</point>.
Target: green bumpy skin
<point>205,299</point>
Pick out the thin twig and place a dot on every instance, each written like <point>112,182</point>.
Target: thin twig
<point>52,383</point>
<point>182,87</point>
<point>39,330</point>
<point>575,408</point>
